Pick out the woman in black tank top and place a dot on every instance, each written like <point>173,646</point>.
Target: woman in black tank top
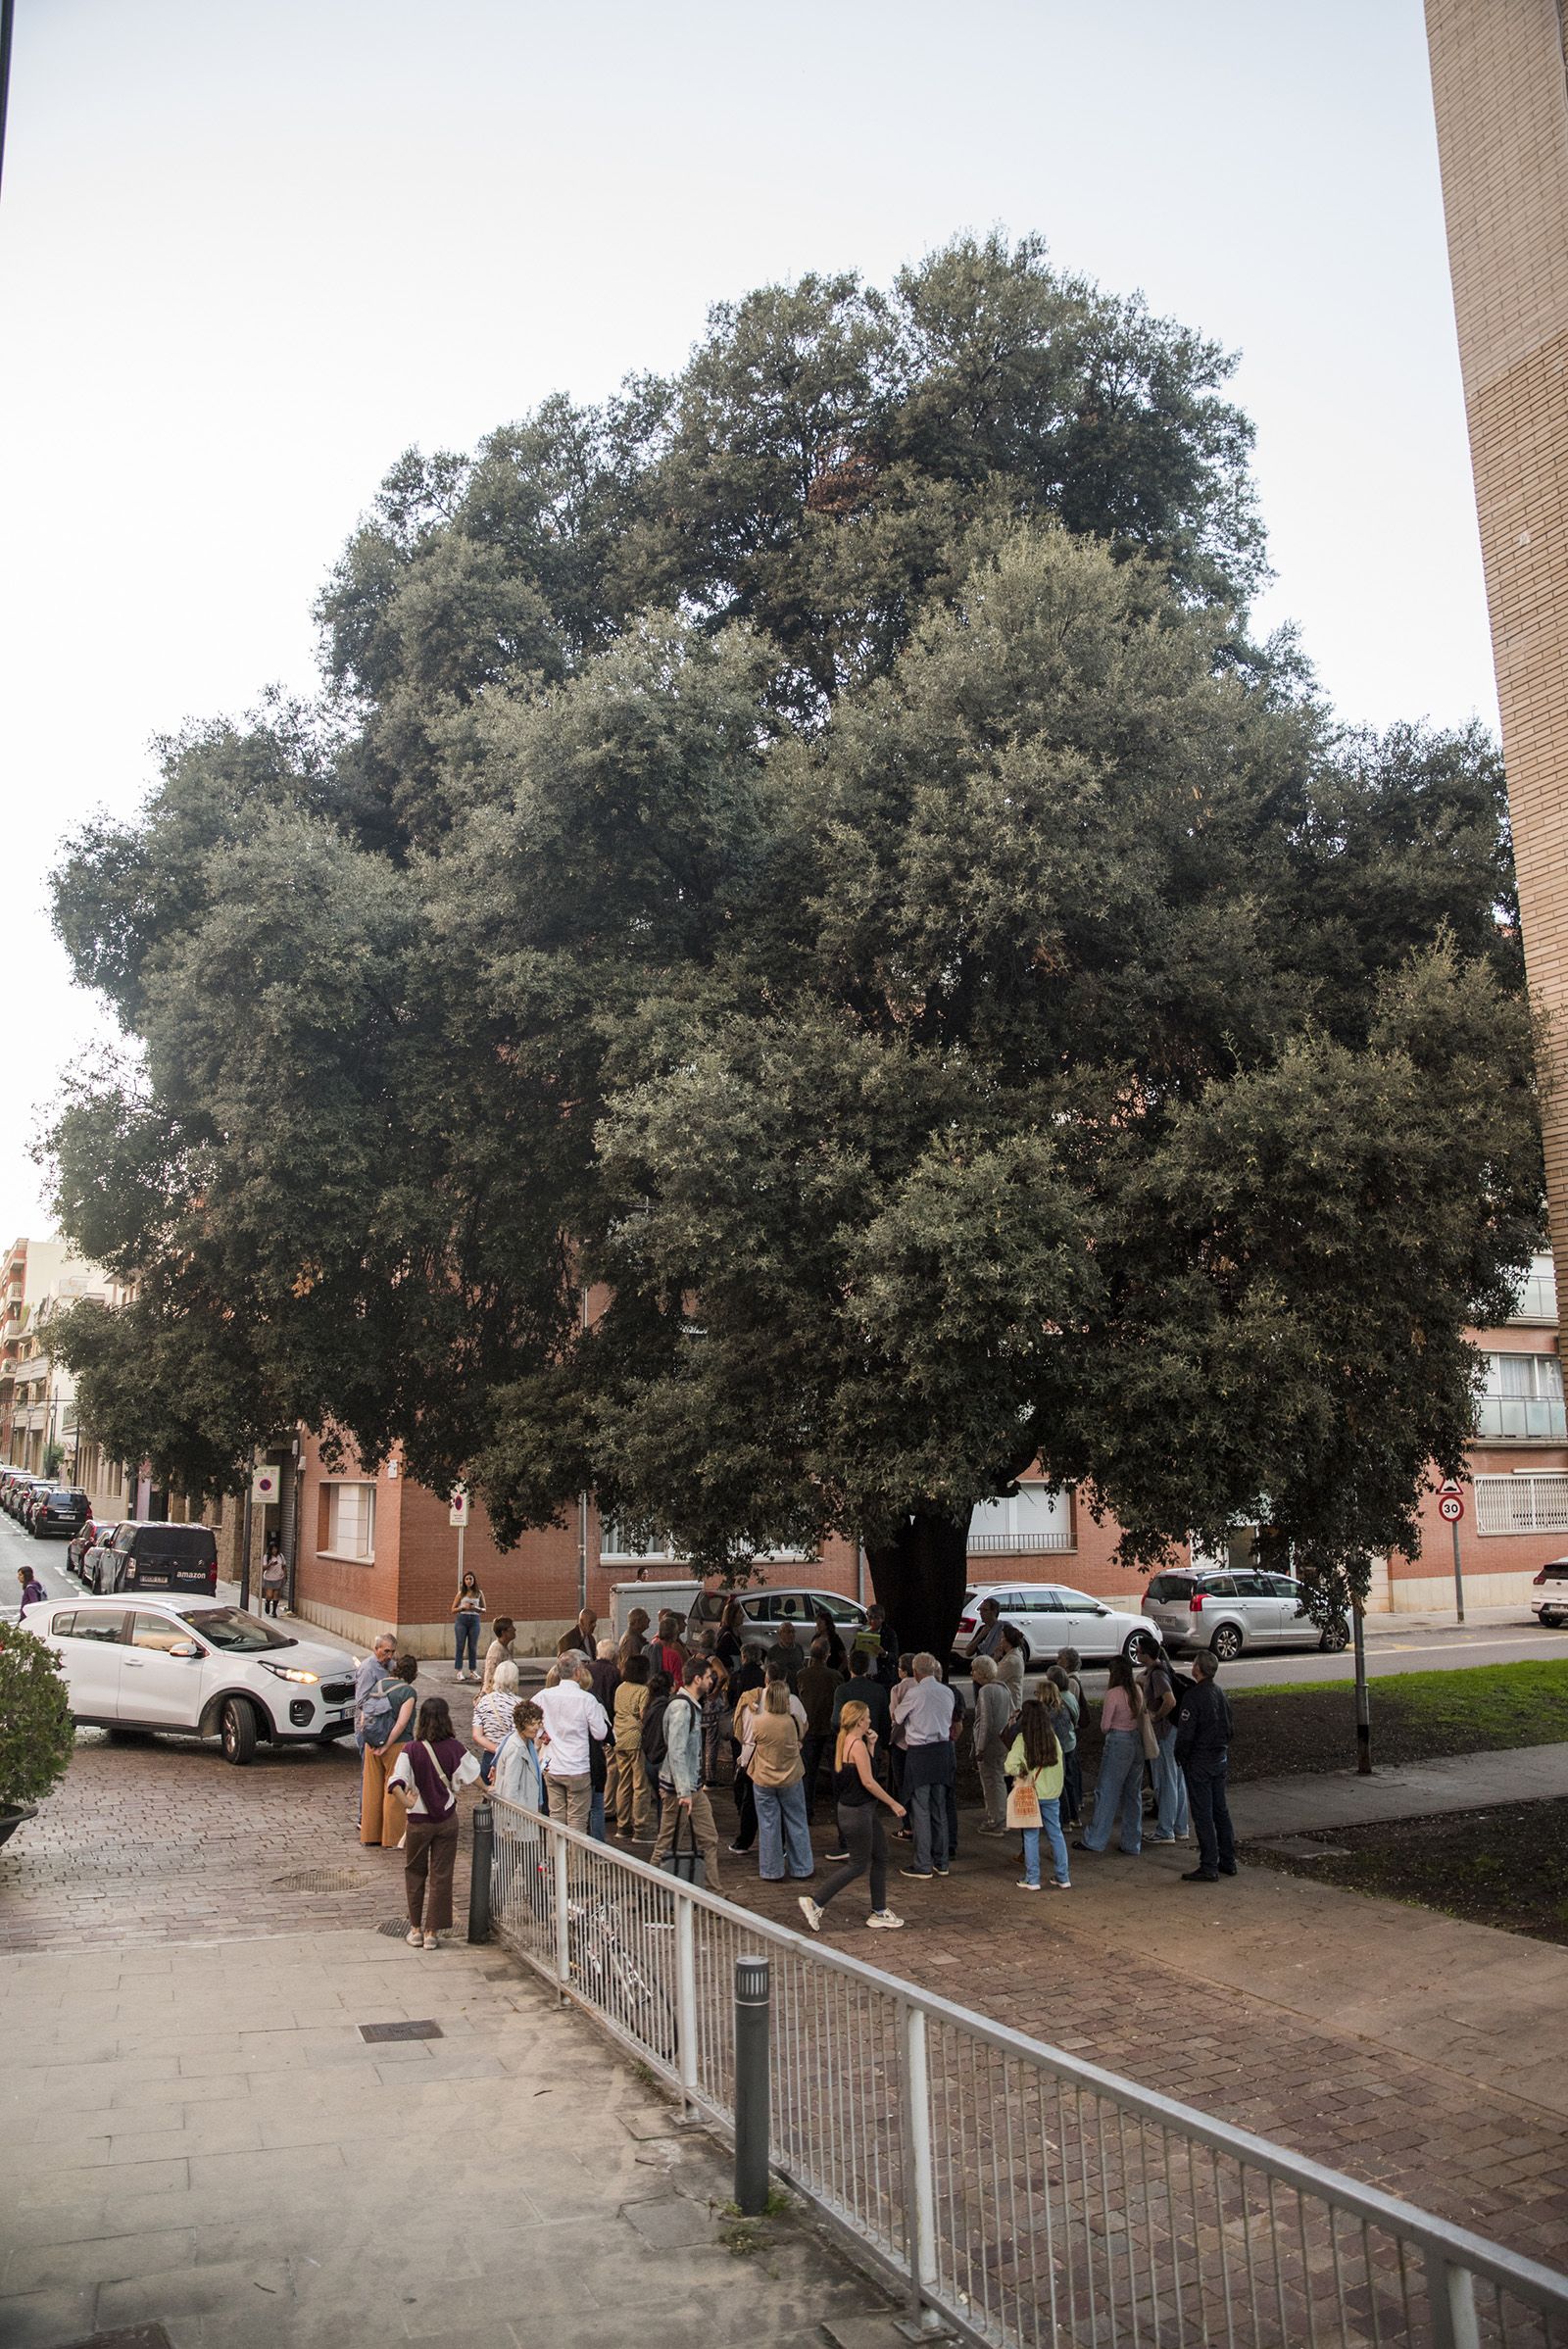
<point>860,1803</point>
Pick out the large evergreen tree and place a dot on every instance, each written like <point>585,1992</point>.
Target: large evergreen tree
<point>812,850</point>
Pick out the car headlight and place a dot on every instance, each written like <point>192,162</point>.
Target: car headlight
<point>287,1672</point>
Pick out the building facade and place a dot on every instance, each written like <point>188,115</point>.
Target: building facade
<point>1499,85</point>
<point>38,1418</point>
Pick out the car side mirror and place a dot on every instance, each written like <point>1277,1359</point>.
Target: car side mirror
<point>184,1647</point>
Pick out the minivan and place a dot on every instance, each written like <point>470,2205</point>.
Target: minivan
<point>160,1557</point>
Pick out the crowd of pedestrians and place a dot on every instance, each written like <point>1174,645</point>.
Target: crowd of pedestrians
<point>630,1738</point>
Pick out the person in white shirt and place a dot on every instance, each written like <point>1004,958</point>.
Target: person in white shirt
<point>573,1715</point>
<point>923,1710</point>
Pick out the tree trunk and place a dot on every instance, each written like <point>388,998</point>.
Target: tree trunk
<point>920,1577</point>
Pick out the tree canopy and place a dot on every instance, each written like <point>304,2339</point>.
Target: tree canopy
<point>812,850</point>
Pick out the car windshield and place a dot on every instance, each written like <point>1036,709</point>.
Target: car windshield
<point>235,1632</point>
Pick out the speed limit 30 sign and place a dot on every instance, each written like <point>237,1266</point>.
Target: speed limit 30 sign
<point>1450,1507</point>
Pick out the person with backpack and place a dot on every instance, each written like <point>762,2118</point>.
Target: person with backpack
<point>430,1770</point>
<point>683,1799</point>
<point>1163,1687</point>
<point>1203,1732</point>
<point>386,1731</point>
<point>1065,1671</point>
<point>1035,1763</point>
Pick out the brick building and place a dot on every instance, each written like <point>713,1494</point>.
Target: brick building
<point>378,1551</point>
<point>1499,85</point>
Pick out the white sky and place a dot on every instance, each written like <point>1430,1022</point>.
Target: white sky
<point>249,254</point>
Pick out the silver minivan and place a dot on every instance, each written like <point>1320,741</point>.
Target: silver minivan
<point>1228,1609</point>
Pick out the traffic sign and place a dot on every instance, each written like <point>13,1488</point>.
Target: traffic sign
<point>265,1484</point>
<point>1450,1484</point>
<point>458,1513</point>
<point>1450,1509</point>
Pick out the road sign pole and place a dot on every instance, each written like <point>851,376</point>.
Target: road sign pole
<point>1363,1701</point>
<point>1450,1509</point>
<point>1458,1577</point>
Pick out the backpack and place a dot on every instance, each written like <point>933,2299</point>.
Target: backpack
<point>378,1724</point>
<point>652,1740</point>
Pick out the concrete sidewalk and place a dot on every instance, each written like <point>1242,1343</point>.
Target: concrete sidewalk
<point>1269,1808</point>
<point>201,2137</point>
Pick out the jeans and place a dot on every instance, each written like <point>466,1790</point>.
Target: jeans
<point>1050,1826</point>
<point>1212,1817</point>
<point>595,1816</point>
<point>928,1775</point>
<point>1120,1788</point>
<point>863,1837</point>
<point>1170,1788</point>
<point>466,1637</point>
<point>782,1833</point>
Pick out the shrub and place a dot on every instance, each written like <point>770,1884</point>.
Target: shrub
<point>36,1729</point>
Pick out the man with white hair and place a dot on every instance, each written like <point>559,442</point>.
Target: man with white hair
<point>923,1710</point>
<point>572,1716</point>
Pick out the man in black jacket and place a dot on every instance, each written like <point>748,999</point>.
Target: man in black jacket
<point>1203,1741</point>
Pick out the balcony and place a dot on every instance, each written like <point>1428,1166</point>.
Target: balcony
<point>1522,1418</point>
<point>1538,1295</point>
<point>1017,1546</point>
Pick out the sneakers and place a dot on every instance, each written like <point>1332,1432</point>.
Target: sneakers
<point>835,1855</point>
<point>810,1912</point>
<point>1024,1886</point>
<point>1159,1838</point>
<point>884,1920</point>
<point>993,1831</point>
<point>1056,1885</point>
<point>942,1871</point>
<point>921,1875</point>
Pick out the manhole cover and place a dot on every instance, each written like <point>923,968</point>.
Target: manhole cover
<point>320,1879</point>
<point>395,1929</point>
<point>400,2030</point>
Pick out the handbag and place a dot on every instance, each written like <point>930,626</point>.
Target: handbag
<point>408,1792</point>
<point>1023,1802</point>
<point>1150,1736</point>
<point>689,1865</point>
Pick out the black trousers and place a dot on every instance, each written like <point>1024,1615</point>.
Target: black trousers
<point>1212,1817</point>
<point>865,1841</point>
<point>745,1811</point>
<point>813,1745</point>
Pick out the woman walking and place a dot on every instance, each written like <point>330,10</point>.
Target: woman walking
<point>860,1803</point>
<point>467,1606</point>
<point>381,1819</point>
<point>1121,1766</point>
<point>430,1770</point>
<point>1035,1757</point>
<point>778,1784</point>
<point>275,1575</point>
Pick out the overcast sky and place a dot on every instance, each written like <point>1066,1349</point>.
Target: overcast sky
<point>249,254</point>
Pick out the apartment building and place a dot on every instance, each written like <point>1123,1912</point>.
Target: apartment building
<point>38,1418</point>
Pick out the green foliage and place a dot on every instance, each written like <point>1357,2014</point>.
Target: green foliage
<point>810,848</point>
<point>53,1454</point>
<point>36,1729</point>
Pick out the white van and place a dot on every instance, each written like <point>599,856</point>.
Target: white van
<point>764,1605</point>
<point>655,1598</point>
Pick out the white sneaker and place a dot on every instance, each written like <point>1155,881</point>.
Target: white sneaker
<point>1024,1886</point>
<point>884,1920</point>
<point>433,1940</point>
<point>415,1939</point>
<point>810,1912</point>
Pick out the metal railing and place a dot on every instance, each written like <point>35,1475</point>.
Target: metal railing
<point>1538,1418</point>
<point>1027,2197</point>
<point>1017,1546</point>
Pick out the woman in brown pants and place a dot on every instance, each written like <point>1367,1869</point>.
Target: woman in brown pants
<point>430,1771</point>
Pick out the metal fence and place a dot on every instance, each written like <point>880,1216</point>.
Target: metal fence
<point>1030,2199</point>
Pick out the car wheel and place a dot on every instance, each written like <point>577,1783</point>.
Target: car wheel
<point>1549,1619</point>
<point>1335,1637</point>
<point>239,1730</point>
<point>1135,1647</point>
<point>1226,1644</point>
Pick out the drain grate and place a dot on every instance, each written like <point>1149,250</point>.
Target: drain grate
<point>395,1929</point>
<point>373,2031</point>
<point>320,1879</point>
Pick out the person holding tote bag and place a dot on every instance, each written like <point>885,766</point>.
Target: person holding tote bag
<point>430,1771</point>
<point>1035,1765</point>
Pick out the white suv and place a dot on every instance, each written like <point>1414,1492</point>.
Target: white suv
<point>199,1668</point>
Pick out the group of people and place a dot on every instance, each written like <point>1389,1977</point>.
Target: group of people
<point>631,1737</point>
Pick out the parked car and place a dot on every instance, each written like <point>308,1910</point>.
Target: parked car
<point>1550,1602</point>
<point>760,1603</point>
<point>19,1491</point>
<point>92,1558</point>
<point>58,1509</point>
<point>1053,1614</point>
<point>160,1556</point>
<point>1226,1609</point>
<point>81,1541</point>
<point>201,1670</point>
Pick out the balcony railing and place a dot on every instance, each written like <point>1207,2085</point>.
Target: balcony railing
<point>1539,1418</point>
<point>1017,1546</point>
<point>1536,1300</point>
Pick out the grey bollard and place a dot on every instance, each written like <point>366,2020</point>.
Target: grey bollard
<point>752,2115</point>
<point>481,1866</point>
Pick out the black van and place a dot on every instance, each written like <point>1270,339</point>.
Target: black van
<point>161,1557</point>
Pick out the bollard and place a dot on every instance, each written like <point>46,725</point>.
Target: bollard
<point>752,2117</point>
<point>481,1867</point>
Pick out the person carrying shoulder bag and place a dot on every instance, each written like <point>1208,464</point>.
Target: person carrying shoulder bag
<point>428,1774</point>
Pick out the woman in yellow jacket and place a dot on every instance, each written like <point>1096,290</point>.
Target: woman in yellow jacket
<point>1036,1755</point>
<point>634,1814</point>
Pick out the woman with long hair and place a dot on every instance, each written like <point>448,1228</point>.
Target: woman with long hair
<point>826,1629</point>
<point>861,1804</point>
<point>467,1606</point>
<point>430,1771</point>
<point>1121,1766</point>
<point>1036,1754</point>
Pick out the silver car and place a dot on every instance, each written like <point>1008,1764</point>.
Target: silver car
<point>1226,1610</point>
<point>1052,1615</point>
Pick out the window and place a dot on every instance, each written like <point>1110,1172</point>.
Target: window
<point>349,1521</point>
<point>1530,1375</point>
<point>1522,1504</point>
<point>157,1631</point>
<point>1522,1396</point>
<point>1037,1517</point>
<point>97,1623</point>
<point>1536,1300</point>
